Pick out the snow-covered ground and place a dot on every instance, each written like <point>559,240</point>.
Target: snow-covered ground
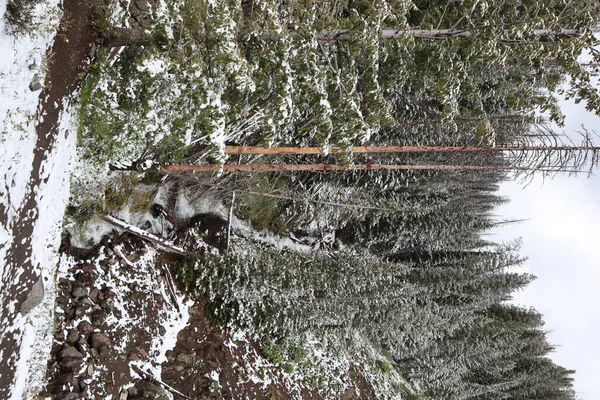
<point>23,61</point>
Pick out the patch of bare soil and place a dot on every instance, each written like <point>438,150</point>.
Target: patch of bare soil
<point>117,304</point>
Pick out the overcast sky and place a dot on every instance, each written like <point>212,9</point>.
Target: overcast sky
<point>562,240</point>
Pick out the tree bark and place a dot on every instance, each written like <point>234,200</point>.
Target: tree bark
<point>168,169</point>
<point>346,34</point>
<point>399,149</point>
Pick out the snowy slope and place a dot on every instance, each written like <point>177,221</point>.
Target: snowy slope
<point>22,59</point>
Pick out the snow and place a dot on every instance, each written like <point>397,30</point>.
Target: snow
<point>23,58</point>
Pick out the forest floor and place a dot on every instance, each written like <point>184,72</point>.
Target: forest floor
<point>125,330</point>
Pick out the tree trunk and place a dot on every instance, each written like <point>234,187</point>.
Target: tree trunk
<point>182,168</point>
<point>399,149</point>
<point>345,34</point>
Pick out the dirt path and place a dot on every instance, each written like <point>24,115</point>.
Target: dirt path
<point>70,49</point>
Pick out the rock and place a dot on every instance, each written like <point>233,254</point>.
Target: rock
<point>68,396</point>
<point>69,313</point>
<point>85,277</point>
<point>87,267</point>
<point>170,355</point>
<point>134,11</point>
<point>123,395</point>
<point>162,330</point>
<point>151,391</point>
<point>98,316</point>
<point>85,328</point>
<point>71,363</point>
<point>65,284</point>
<point>62,301</point>
<point>144,20</point>
<point>186,358</point>
<point>73,336</point>
<point>34,297</point>
<point>90,369</point>
<point>95,353</point>
<point>99,339</point>
<point>66,378</point>
<point>102,352</point>
<point>133,356</point>
<point>70,352</point>
<point>93,295</point>
<point>80,310</point>
<point>59,335</point>
<point>36,83</point>
<point>143,5</point>
<point>143,353</point>
<point>133,258</point>
<point>79,290</point>
<point>32,66</point>
<point>86,302</point>
<point>108,294</point>
<point>133,391</point>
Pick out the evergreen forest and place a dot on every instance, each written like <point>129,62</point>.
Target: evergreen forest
<point>400,259</point>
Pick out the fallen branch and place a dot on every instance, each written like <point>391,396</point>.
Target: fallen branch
<point>162,243</point>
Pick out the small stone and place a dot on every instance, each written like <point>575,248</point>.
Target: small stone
<point>65,284</point>
<point>34,297</point>
<point>66,378</point>
<point>95,353</point>
<point>80,310</point>
<point>108,293</point>
<point>73,336</point>
<point>103,352</point>
<point>93,295</point>
<point>133,257</point>
<point>36,83</point>
<point>69,396</point>
<point>98,316</point>
<point>162,330</point>
<point>123,395</point>
<point>133,356</point>
<point>85,328</point>
<point>59,335</point>
<point>185,358</point>
<point>143,5</point>
<point>79,290</point>
<point>142,352</point>
<point>87,267</point>
<point>32,66</point>
<point>70,352</point>
<point>87,302</point>
<point>98,340</point>
<point>112,261</point>
<point>71,363</point>
<point>90,369</point>
<point>85,277</point>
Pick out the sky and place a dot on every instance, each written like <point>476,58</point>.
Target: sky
<point>562,240</point>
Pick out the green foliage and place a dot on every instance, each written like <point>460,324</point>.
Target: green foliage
<point>262,211</point>
<point>19,16</point>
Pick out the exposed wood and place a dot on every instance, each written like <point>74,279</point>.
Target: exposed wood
<point>398,149</point>
<point>164,244</point>
<point>166,169</point>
